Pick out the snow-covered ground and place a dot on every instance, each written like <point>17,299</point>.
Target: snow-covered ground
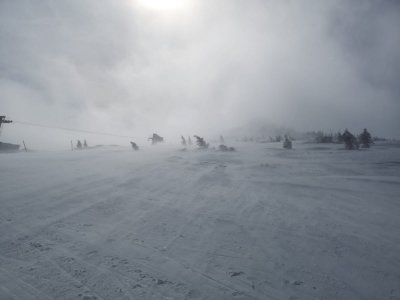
<point>316,222</point>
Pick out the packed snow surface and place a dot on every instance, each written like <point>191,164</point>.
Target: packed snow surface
<point>315,222</point>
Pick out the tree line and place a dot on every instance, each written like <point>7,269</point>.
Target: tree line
<point>350,140</point>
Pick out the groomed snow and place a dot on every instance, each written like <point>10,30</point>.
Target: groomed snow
<point>315,222</point>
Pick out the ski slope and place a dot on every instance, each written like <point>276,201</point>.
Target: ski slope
<point>315,222</point>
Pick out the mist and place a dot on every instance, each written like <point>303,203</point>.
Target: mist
<point>199,149</point>
<point>203,67</point>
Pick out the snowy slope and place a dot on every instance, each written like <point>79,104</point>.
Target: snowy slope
<point>261,223</point>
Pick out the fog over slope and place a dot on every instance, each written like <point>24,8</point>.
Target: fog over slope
<point>202,67</point>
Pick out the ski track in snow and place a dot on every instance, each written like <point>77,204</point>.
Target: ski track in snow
<point>316,222</point>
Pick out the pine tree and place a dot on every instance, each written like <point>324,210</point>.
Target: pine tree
<point>349,140</point>
<point>183,141</point>
<point>156,139</point>
<point>134,146</point>
<point>365,139</point>
<point>287,144</point>
<point>201,142</point>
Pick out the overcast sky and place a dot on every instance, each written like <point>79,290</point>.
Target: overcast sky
<point>186,66</point>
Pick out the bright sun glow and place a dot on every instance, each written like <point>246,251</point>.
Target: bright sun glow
<point>163,5</point>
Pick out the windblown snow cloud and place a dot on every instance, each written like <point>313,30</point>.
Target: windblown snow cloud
<point>121,66</point>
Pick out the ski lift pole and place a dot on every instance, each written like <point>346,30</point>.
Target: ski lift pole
<point>3,120</point>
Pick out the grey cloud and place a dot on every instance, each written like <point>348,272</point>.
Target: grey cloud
<point>221,64</point>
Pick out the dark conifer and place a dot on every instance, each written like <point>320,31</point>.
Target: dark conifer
<point>134,146</point>
<point>287,143</point>
<point>365,139</point>
<point>349,140</point>
<point>201,142</point>
<point>156,139</point>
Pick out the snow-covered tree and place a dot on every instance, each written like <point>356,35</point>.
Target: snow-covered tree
<point>349,140</point>
<point>224,148</point>
<point>365,139</point>
<point>156,139</point>
<point>201,142</point>
<point>134,146</point>
<point>287,143</point>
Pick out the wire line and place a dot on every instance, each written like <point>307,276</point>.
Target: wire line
<point>72,129</point>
